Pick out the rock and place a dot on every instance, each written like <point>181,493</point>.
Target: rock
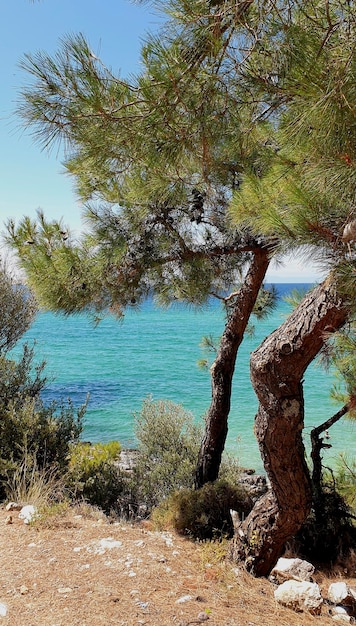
<point>24,590</point>
<point>28,513</point>
<point>341,614</point>
<point>295,569</point>
<point>184,599</point>
<point>202,617</point>
<point>65,590</point>
<point>101,546</point>
<point>345,619</point>
<point>13,506</point>
<point>338,610</point>
<point>128,460</point>
<point>300,596</point>
<point>3,609</point>
<point>8,519</point>
<point>255,484</point>
<point>341,593</point>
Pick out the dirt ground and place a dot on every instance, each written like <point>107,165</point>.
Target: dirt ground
<point>80,569</point>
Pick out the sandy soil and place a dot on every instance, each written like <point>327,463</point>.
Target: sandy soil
<point>80,569</point>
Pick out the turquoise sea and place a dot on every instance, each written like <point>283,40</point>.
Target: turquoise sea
<point>154,352</point>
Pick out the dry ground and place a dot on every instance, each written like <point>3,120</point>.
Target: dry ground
<point>80,569</point>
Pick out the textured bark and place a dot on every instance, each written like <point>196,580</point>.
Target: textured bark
<point>222,371</point>
<point>277,369</point>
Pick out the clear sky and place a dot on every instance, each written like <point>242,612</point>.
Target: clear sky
<point>31,179</point>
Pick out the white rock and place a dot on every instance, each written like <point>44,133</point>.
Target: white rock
<point>3,609</point>
<point>341,593</point>
<point>101,546</point>
<point>65,590</point>
<point>109,543</point>
<point>338,610</point>
<point>341,614</point>
<point>13,506</point>
<point>295,569</point>
<point>168,539</point>
<point>300,596</point>
<point>28,513</point>
<point>202,617</point>
<point>345,619</point>
<point>184,599</point>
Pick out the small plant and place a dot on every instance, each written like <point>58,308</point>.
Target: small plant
<point>94,474</point>
<point>203,513</point>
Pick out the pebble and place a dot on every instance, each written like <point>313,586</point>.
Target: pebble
<point>3,609</point>
<point>13,506</point>
<point>202,617</point>
<point>184,599</point>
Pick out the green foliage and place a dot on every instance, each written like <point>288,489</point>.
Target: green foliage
<point>295,297</point>
<point>94,475</point>
<point>17,312</point>
<point>203,513</point>
<point>34,437</point>
<point>345,479</point>
<point>168,444</point>
<point>30,429</point>
<point>343,358</point>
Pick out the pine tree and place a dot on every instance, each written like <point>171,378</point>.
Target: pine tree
<point>306,199</point>
<point>157,160</point>
<point>236,143</point>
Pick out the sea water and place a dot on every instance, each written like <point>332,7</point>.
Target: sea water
<point>154,353</point>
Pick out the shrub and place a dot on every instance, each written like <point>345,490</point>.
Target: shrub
<point>94,474</point>
<point>203,513</point>
<point>329,534</point>
<point>34,437</point>
<point>17,311</point>
<point>29,429</point>
<point>168,443</point>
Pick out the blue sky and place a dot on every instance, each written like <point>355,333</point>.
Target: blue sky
<point>31,179</point>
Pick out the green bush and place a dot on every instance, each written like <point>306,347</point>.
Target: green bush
<point>203,513</point>
<point>168,444</point>
<point>29,429</point>
<point>94,475</point>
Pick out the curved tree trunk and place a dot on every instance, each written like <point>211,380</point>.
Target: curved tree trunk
<point>222,371</point>
<point>277,368</point>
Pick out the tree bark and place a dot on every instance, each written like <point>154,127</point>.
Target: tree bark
<point>277,368</point>
<point>222,371</point>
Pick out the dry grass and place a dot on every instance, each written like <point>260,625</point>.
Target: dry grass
<point>61,573</point>
<point>30,484</point>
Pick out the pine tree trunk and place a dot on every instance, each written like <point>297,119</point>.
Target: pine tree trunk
<point>277,369</point>
<point>222,371</point>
